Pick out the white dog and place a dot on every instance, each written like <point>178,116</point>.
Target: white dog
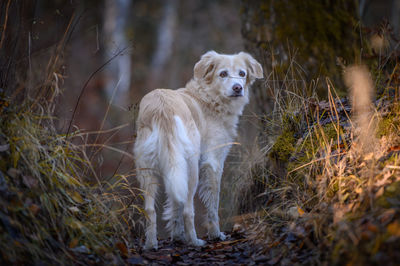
<point>184,137</point>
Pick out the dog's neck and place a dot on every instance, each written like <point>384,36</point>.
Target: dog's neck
<point>213,105</point>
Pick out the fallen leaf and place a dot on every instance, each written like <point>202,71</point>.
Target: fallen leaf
<point>156,256</point>
<point>166,258</point>
<point>365,235</point>
<point>387,216</point>
<point>30,181</point>
<point>371,227</point>
<point>220,256</point>
<point>34,209</point>
<point>394,148</point>
<point>394,228</point>
<point>74,209</point>
<point>122,248</point>
<point>300,211</point>
<point>73,243</point>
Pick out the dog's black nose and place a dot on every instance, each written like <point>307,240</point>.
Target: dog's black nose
<point>237,88</point>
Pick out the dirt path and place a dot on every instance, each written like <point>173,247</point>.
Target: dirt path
<point>237,249</point>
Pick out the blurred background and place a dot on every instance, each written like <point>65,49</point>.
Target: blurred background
<point>148,44</point>
<point>112,52</point>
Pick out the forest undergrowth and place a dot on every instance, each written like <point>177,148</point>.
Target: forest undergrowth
<point>54,208</point>
<point>330,177</point>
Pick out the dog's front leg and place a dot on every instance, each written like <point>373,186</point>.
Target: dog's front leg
<point>209,188</point>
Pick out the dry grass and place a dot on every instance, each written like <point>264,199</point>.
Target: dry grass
<point>51,209</point>
<point>54,207</point>
<point>331,173</point>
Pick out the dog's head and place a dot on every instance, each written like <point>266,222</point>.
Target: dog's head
<point>229,76</point>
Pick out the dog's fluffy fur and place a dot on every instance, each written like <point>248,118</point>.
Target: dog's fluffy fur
<point>184,137</point>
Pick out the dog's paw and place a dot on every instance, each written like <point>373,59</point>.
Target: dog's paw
<point>222,236</point>
<point>217,235</point>
<point>198,242</point>
<point>149,245</point>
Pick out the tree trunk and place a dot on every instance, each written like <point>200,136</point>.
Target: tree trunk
<point>165,41</point>
<point>118,73</point>
<point>16,26</point>
<point>307,36</point>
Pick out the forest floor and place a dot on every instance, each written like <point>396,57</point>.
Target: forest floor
<point>240,248</point>
<point>237,249</point>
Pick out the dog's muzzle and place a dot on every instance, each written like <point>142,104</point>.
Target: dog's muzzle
<point>237,90</point>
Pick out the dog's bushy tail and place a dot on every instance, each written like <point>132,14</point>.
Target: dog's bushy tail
<point>173,161</point>
<point>167,147</point>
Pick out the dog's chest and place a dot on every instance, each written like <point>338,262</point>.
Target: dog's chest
<point>217,139</point>
<point>221,129</point>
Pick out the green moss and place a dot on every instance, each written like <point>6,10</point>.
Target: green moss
<point>330,131</point>
<point>315,140</point>
<point>390,197</point>
<point>388,125</point>
<point>283,147</point>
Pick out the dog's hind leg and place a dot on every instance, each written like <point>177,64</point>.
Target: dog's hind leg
<point>173,213</point>
<point>182,199</point>
<point>149,185</point>
<point>181,181</point>
<point>145,154</point>
<point>178,230</point>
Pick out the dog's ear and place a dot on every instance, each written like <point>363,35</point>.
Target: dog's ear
<point>205,67</point>
<point>254,68</point>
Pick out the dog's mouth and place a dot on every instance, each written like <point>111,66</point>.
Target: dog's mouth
<point>236,95</point>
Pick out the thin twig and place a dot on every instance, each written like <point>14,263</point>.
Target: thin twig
<point>85,86</point>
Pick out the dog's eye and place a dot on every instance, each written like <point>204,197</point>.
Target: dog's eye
<point>242,74</point>
<point>223,74</point>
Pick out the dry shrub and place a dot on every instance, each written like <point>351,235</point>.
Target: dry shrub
<point>333,195</point>
<point>51,210</point>
<point>54,208</point>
